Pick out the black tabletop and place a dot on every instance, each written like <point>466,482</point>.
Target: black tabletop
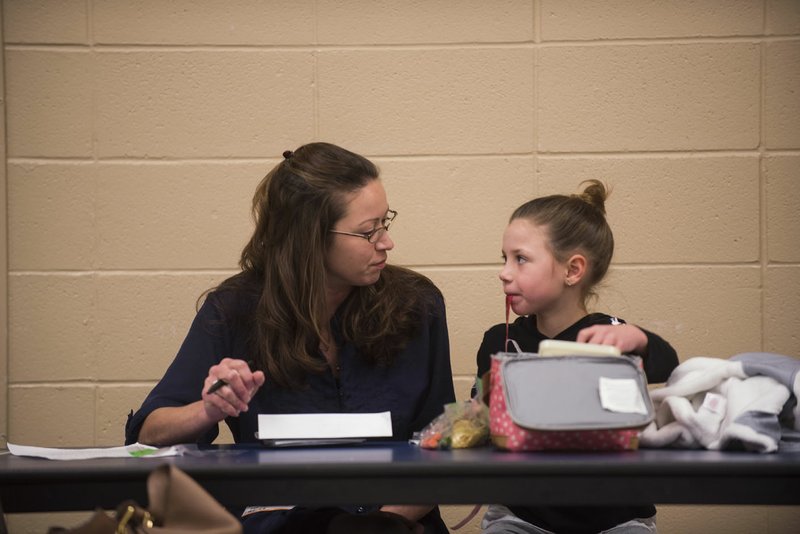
<point>400,473</point>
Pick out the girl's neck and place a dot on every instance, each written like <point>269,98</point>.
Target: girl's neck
<point>552,324</point>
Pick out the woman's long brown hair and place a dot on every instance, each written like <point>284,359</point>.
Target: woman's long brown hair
<point>294,208</point>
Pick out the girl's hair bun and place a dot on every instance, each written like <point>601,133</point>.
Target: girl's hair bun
<point>595,194</point>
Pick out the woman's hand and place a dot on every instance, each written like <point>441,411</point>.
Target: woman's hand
<point>629,339</point>
<point>233,398</point>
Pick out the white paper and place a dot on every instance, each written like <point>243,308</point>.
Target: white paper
<point>316,442</point>
<point>324,426</point>
<point>621,395</point>
<point>556,347</point>
<point>137,450</point>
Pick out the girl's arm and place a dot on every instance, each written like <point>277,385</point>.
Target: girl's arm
<point>660,360</point>
<point>658,356</point>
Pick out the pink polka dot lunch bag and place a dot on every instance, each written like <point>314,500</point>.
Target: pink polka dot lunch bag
<point>586,403</point>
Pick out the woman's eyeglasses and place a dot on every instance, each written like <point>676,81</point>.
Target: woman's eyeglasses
<point>376,233</point>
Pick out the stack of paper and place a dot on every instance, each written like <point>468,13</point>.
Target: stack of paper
<point>556,347</point>
<point>322,428</point>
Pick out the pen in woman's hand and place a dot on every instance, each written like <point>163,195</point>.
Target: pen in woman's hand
<point>219,383</point>
<point>216,386</point>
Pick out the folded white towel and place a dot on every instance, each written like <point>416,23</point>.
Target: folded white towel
<point>748,402</point>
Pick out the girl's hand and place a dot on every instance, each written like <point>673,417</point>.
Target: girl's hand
<point>233,398</point>
<point>629,339</point>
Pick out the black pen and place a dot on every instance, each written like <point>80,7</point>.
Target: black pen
<point>219,383</point>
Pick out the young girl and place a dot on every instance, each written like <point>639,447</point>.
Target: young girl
<point>556,249</point>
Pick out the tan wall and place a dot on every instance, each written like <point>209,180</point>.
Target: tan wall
<point>136,132</point>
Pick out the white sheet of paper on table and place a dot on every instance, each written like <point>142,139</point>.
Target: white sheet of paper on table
<point>324,426</point>
<point>137,450</point>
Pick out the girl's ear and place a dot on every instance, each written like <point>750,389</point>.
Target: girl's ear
<point>576,269</point>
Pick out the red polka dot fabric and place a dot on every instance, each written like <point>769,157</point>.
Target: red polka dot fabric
<point>508,435</point>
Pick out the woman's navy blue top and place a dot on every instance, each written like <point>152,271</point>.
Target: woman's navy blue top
<point>414,388</point>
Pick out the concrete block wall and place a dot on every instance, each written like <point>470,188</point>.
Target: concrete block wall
<point>135,133</point>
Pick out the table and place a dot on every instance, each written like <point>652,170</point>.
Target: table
<point>400,473</point>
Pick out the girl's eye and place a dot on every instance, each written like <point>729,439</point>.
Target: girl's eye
<point>516,259</point>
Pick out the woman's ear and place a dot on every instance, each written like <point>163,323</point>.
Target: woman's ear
<point>576,269</point>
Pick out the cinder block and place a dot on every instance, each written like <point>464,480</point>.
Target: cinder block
<point>648,97</point>
<point>566,20</point>
<point>475,302</point>
<point>702,311</point>
<point>51,216</point>
<point>783,17</point>
<point>33,523</point>
<point>51,416</point>
<point>433,21</point>
<point>454,210</point>
<point>205,104</point>
<point>51,327</point>
<point>781,302</point>
<point>49,103</point>
<point>176,215</point>
<point>739,518</point>
<point>781,519</point>
<point>673,209</point>
<point>45,21</point>
<point>782,103</point>
<point>428,101</point>
<point>225,435</point>
<point>463,384</point>
<point>189,22</point>
<point>114,403</point>
<point>783,197</point>
<point>454,514</point>
<point>139,340</point>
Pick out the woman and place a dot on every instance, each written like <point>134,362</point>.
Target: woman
<point>328,325</point>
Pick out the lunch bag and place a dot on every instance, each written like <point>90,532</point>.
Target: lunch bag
<point>589,403</point>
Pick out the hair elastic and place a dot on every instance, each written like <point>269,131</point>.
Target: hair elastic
<point>287,154</point>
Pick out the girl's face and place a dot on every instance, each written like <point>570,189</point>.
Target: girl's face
<point>351,260</point>
<point>531,275</point>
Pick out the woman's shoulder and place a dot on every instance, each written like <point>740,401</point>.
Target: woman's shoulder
<point>401,282</point>
<point>399,276</point>
<point>237,294</point>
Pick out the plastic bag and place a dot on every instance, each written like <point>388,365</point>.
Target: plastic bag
<point>462,425</point>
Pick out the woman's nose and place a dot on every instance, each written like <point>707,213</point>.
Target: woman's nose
<point>385,242</point>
